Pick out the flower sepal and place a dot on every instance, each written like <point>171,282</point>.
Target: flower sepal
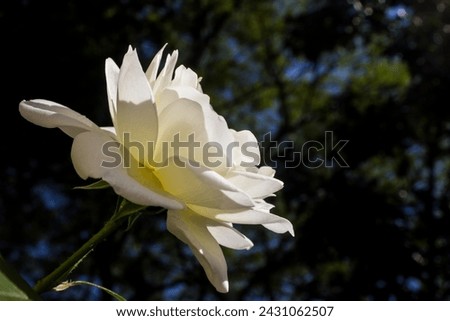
<point>126,208</point>
<point>132,211</point>
<point>100,184</point>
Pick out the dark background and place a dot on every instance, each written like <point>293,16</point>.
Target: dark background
<point>375,73</point>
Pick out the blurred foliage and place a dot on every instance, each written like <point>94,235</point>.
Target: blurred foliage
<point>375,73</point>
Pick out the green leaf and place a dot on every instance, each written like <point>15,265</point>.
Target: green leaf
<point>12,286</point>
<point>101,184</point>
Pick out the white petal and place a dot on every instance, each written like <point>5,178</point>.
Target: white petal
<point>246,154</point>
<point>266,171</point>
<point>124,185</point>
<point>133,86</point>
<point>256,215</point>
<point>182,121</point>
<point>171,94</point>
<point>146,177</point>
<point>152,69</point>
<point>191,230</point>
<point>280,227</point>
<point>137,122</point>
<point>50,115</point>
<point>95,154</point>
<point>165,98</point>
<point>110,130</point>
<point>223,233</point>
<point>213,125</point>
<point>201,186</point>
<point>182,118</point>
<point>262,205</point>
<point>191,94</point>
<point>87,153</point>
<point>255,185</point>
<point>165,76</point>
<point>228,236</point>
<point>185,77</point>
<point>112,80</point>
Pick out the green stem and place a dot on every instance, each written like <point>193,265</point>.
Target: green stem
<point>62,271</point>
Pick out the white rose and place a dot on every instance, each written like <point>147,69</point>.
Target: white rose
<point>207,185</point>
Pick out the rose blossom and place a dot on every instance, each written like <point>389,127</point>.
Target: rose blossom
<point>204,195</point>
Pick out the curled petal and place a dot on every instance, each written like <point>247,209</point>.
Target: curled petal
<point>129,188</point>
<point>181,121</point>
<point>192,230</point>
<point>256,215</point>
<point>87,156</point>
<point>196,184</point>
<point>281,226</point>
<point>213,125</point>
<point>188,119</point>
<point>228,236</point>
<point>255,185</point>
<point>51,115</point>
<point>95,154</point>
